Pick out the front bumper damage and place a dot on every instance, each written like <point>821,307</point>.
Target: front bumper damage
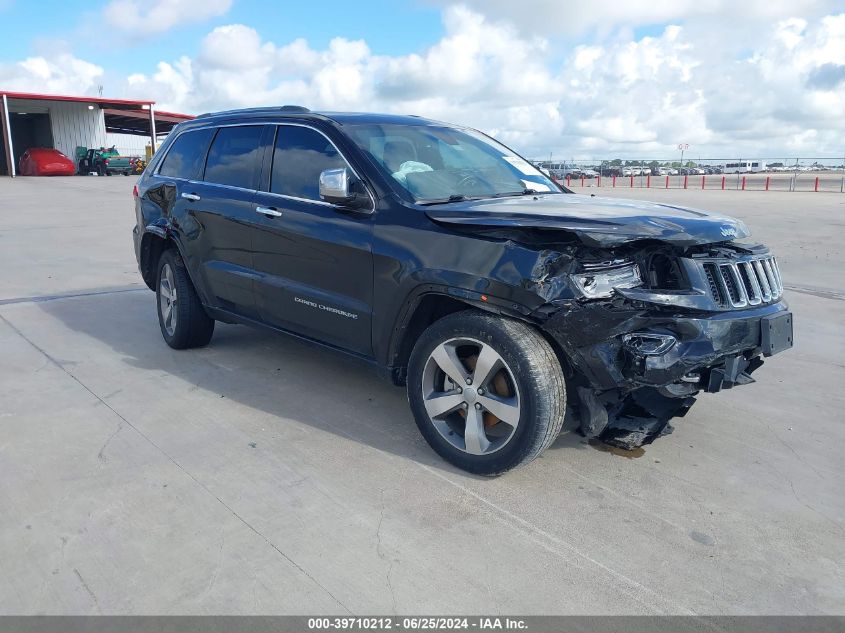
<point>635,366</point>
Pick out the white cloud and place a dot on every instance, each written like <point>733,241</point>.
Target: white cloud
<point>553,17</point>
<point>173,80</point>
<point>636,97</point>
<point>60,74</point>
<point>158,16</point>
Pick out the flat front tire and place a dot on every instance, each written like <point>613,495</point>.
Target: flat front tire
<point>487,392</point>
<point>181,316</point>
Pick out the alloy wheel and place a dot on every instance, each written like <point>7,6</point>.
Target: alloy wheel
<point>471,396</point>
<point>167,299</point>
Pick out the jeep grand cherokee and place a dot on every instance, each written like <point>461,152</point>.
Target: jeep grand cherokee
<point>505,303</point>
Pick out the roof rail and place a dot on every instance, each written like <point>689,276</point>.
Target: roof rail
<point>284,108</point>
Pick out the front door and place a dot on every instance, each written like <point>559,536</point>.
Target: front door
<point>313,260</point>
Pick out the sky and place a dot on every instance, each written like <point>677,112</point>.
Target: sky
<point>761,78</point>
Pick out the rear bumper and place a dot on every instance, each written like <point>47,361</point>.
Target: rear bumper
<point>136,242</point>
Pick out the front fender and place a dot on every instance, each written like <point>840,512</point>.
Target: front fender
<point>470,298</point>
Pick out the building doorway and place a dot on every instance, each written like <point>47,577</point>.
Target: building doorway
<point>29,129</point>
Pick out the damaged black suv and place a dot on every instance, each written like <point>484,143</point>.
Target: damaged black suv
<point>505,303</point>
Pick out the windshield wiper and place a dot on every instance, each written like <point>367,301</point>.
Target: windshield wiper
<point>524,192</point>
<point>461,198</point>
<point>457,197</point>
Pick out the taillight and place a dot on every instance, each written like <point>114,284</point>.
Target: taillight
<point>105,161</point>
<point>135,191</point>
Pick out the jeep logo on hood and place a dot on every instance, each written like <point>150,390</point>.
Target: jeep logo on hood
<point>728,231</point>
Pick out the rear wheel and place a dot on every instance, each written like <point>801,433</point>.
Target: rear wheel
<point>181,316</point>
<point>487,392</point>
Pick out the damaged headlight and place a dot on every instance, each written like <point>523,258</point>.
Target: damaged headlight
<point>599,282</point>
<point>648,344</point>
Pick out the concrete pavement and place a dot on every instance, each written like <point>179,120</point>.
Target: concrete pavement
<point>260,475</point>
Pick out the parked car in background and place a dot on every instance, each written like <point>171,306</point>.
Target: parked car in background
<point>45,161</point>
<point>558,171</point>
<point>576,173</point>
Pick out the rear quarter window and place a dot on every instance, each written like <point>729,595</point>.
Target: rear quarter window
<point>185,157</point>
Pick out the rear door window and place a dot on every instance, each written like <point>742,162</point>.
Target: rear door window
<point>234,157</point>
<point>299,156</point>
<point>185,157</point>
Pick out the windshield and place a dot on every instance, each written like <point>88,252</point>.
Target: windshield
<point>442,164</point>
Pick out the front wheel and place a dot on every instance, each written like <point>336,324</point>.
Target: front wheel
<point>487,392</point>
<point>181,316</point>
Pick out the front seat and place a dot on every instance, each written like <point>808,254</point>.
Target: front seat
<point>396,153</point>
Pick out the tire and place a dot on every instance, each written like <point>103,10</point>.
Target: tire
<point>523,382</point>
<point>101,170</point>
<point>192,326</point>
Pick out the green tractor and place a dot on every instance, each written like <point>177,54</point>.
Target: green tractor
<point>103,162</point>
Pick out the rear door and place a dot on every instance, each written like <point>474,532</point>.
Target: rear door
<point>313,260</point>
<point>221,208</point>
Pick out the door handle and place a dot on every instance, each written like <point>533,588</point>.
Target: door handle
<point>190,196</point>
<point>268,211</point>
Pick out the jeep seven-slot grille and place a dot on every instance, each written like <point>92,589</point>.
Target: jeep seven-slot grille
<point>748,282</point>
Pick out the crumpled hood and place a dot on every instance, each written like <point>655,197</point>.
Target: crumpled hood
<point>595,221</point>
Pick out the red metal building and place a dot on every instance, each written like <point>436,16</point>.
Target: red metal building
<point>67,122</point>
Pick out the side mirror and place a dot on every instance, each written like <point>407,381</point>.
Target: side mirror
<point>338,187</point>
